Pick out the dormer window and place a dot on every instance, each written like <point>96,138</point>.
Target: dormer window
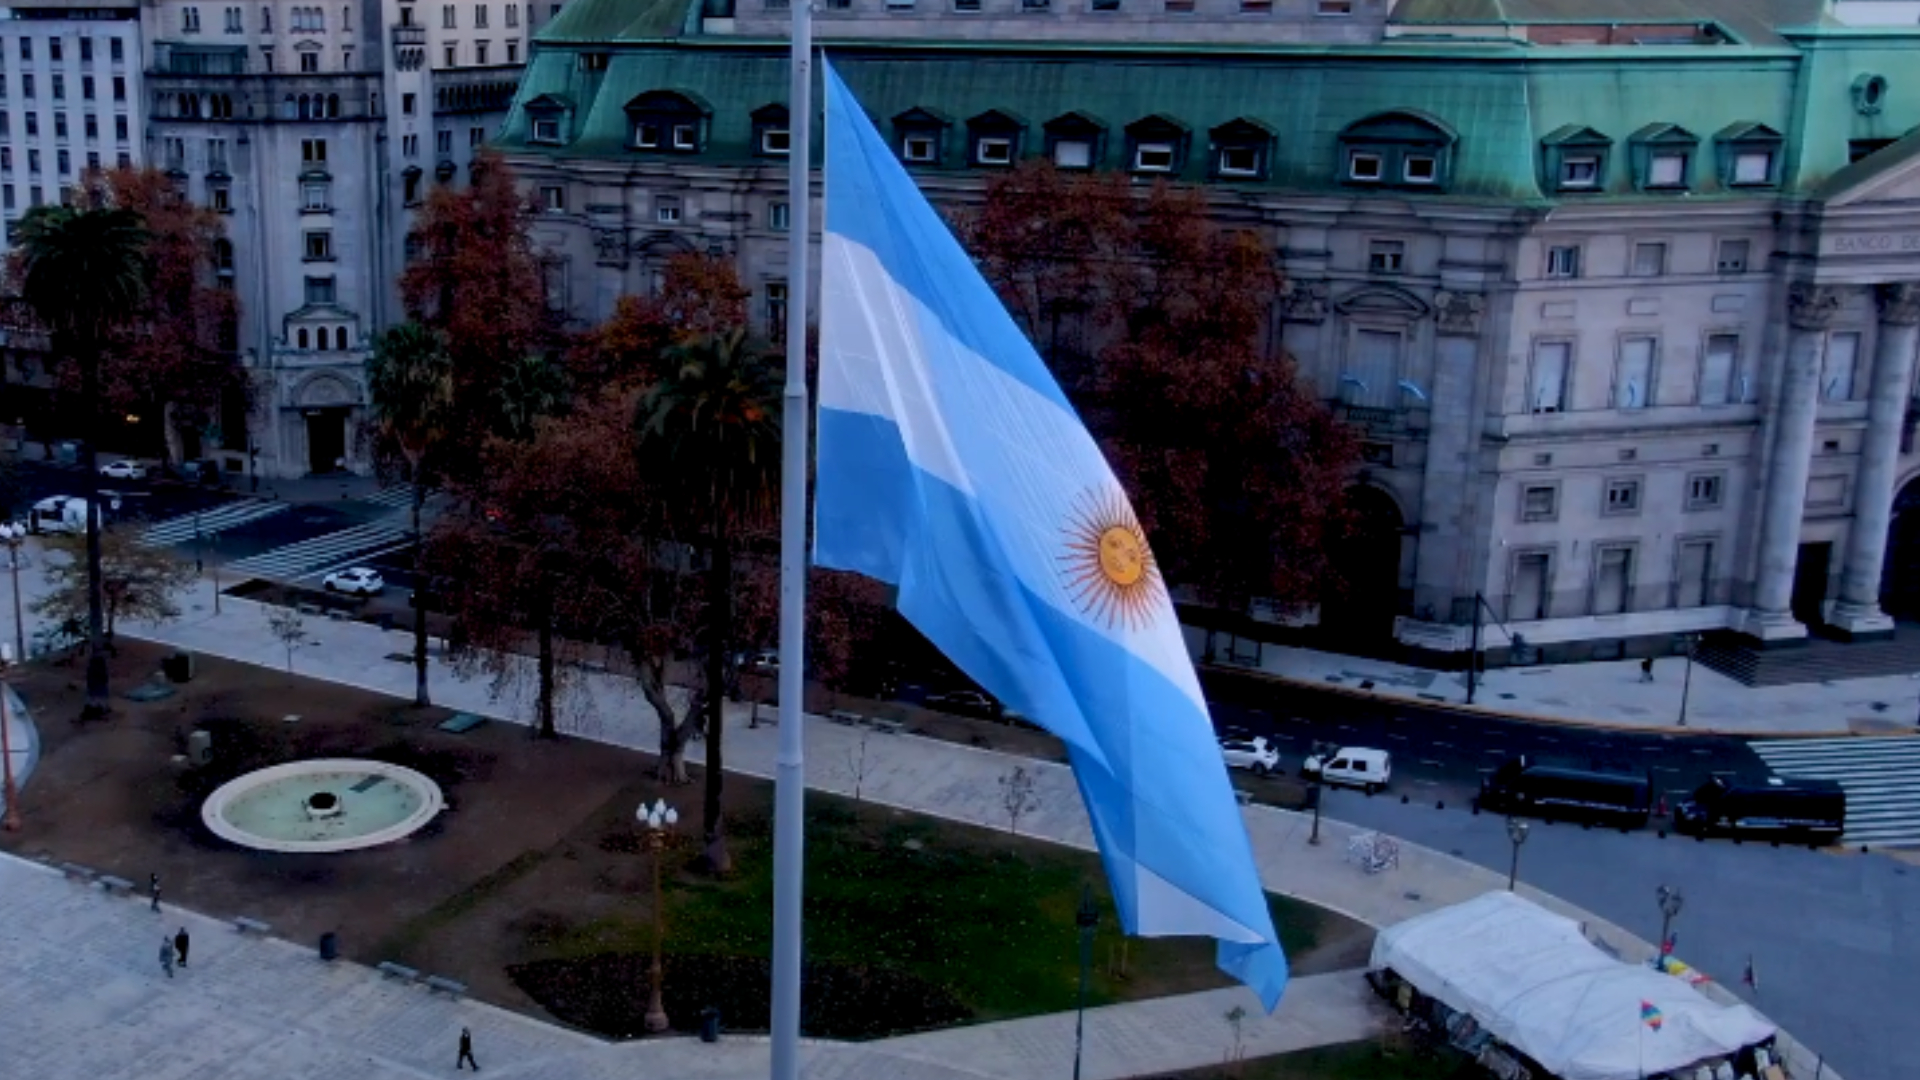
<point>771,137</point>
<point>668,121</point>
<point>919,134</point>
<point>995,138</point>
<point>1574,159</point>
<point>1156,144</point>
<point>1402,149</point>
<point>546,131</point>
<point>550,116</point>
<point>1074,141</point>
<point>1241,149</point>
<point>1749,155</point>
<point>1662,157</point>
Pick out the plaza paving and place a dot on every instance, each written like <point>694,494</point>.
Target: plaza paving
<point>413,1035</point>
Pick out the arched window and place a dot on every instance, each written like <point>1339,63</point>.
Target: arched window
<point>301,337</point>
<point>340,338</point>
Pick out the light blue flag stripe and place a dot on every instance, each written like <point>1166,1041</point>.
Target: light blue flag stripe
<point>951,465</point>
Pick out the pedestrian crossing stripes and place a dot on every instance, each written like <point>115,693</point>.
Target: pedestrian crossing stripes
<point>399,495</point>
<point>229,515</point>
<point>1881,776</point>
<point>292,560</point>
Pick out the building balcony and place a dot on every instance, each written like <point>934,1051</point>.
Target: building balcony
<point>262,98</point>
<point>475,89</point>
<point>409,37</point>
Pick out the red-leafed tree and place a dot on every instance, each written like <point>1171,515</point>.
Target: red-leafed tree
<point>699,295</point>
<point>1155,320</point>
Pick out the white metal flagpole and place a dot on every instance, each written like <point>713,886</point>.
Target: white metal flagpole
<point>789,799</point>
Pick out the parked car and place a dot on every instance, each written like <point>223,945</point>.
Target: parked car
<point>1255,755</point>
<point>1521,787</point>
<point>124,469</point>
<point>761,660</point>
<point>1355,766</point>
<point>1814,811</point>
<point>968,702</point>
<point>202,471</point>
<point>358,581</point>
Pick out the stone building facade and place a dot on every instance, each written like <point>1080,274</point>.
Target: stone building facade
<point>1622,311</point>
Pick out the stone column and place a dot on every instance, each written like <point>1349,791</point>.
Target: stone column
<point>1446,486</point>
<point>1858,613</point>
<point>1810,311</point>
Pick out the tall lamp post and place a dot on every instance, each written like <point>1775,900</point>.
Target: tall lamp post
<point>10,821</point>
<point>1321,753</point>
<point>14,536</point>
<point>657,821</point>
<point>1517,832</point>
<point>1686,682</point>
<point>1670,903</point>
<point>1515,643</point>
<point>1085,919</point>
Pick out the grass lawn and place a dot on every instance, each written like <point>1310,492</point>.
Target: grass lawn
<point>1376,1059</point>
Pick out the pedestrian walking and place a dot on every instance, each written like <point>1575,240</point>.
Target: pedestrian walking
<point>180,943</point>
<point>466,1052</point>
<point>1646,670</point>
<point>166,956</point>
<point>153,890</point>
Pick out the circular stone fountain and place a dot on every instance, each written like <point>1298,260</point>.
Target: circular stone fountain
<point>324,805</point>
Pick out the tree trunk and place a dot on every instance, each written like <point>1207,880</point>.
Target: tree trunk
<point>170,433</point>
<point>719,618</point>
<point>546,729</point>
<point>674,733</point>
<point>419,601</point>
<point>97,695</point>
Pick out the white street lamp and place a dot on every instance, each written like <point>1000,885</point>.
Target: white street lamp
<point>658,820</point>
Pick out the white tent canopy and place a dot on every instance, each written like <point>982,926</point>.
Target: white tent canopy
<point>1531,979</point>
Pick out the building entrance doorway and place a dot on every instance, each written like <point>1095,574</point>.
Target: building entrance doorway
<point>1360,613</point>
<point>1810,583</point>
<point>326,439</point>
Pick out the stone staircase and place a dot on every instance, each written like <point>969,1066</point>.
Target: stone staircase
<point>1819,660</point>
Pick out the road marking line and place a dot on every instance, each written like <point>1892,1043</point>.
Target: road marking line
<point>357,560</point>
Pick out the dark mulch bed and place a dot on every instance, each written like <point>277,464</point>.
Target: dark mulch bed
<point>607,994</point>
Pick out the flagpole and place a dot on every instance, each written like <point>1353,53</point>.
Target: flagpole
<point>789,798</point>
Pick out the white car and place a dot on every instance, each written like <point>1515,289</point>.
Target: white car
<point>1254,754</point>
<point>358,581</point>
<point>124,470</point>
<point>1354,766</point>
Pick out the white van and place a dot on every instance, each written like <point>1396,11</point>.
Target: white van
<point>58,514</point>
<point>1355,766</point>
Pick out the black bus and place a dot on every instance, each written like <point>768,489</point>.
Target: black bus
<point>1794,808</point>
<point>1524,788</point>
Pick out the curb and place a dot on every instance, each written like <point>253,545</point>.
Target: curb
<point>1484,712</point>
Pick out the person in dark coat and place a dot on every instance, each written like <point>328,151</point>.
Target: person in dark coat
<point>180,944</point>
<point>1646,670</point>
<point>153,889</point>
<point>466,1052</point>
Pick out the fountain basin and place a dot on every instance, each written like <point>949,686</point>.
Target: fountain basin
<point>322,806</point>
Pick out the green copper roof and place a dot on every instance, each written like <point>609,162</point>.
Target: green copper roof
<point>591,21</point>
<point>1751,21</point>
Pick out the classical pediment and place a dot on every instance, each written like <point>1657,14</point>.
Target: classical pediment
<point>1891,175</point>
<point>1388,300</point>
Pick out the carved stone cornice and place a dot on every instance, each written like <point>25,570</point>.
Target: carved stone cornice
<point>1304,302</point>
<point>1458,313</point>
<point>1812,307</point>
<point>1899,303</point>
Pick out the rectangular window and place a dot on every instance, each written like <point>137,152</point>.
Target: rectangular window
<point>1703,491</point>
<point>646,136</point>
<point>219,198</point>
<point>1539,502</point>
<point>59,125</point>
<point>958,5</point>
<point>313,151</point>
<point>26,86</point>
<point>266,59</point>
<point>320,290</point>
<point>480,53</point>
<point>513,15</point>
<point>1256,7</point>
<point>1633,380</point>
<point>1612,580</point>
<point>1550,360</point>
<point>1693,574</point>
<point>775,140</point>
<point>319,245</point>
<point>410,185</point>
<point>546,131</point>
<point>1420,169</point>
<point>119,86</point>
<point>1716,369</point>
<point>1563,261</point>
<point>993,151</point>
<point>449,19</point>
<point>1153,157</point>
<point>1623,497</point>
<point>666,210</point>
<point>916,148</point>
<point>1531,573</point>
<point>1239,161</point>
<point>1731,258</point>
<point>309,62</point>
<point>1837,369</point>
<point>777,310</point>
<point>26,48</point>
<point>216,155</point>
<point>443,142</point>
<point>553,198</point>
<point>901,5</point>
<point>33,123</point>
<point>86,88</point>
<point>119,129</point>
<point>1753,167</point>
<point>408,103</point>
<point>59,87</point>
<point>54,50</point>
<point>1372,376</point>
<point>1667,170</point>
<point>1386,256</point>
<point>476,136</point>
<point>410,146</point>
<point>480,16</point>
<point>685,137</point>
<point>1363,166</point>
<point>1073,154</point>
<point>190,20</point>
<point>86,50</point>
<point>1579,171</point>
<point>1180,7</point>
<point>63,161</point>
<point>1649,259</point>
<point>593,61</point>
<point>779,216</point>
<point>1098,5</point>
<point>451,54</point>
<point>7,202</point>
<point>513,50</point>
<point>314,196</point>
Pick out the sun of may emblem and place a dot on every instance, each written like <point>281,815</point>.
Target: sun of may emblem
<point>1109,567</point>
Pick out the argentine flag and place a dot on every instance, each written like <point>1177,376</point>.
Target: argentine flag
<point>951,466</point>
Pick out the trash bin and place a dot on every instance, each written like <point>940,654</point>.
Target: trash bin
<point>329,946</point>
<point>200,747</point>
<point>709,1024</point>
<point>178,667</point>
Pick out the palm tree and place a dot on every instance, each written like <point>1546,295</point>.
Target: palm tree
<point>712,425</point>
<point>410,380</point>
<point>82,271</point>
<point>530,388</point>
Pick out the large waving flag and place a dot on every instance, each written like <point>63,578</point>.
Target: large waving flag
<point>951,465</point>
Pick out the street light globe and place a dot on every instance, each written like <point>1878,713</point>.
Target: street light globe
<point>672,815</point>
<point>1517,830</point>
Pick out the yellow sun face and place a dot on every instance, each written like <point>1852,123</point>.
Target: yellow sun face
<point>1109,567</point>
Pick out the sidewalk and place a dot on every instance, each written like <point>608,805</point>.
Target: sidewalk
<point>1609,694</point>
